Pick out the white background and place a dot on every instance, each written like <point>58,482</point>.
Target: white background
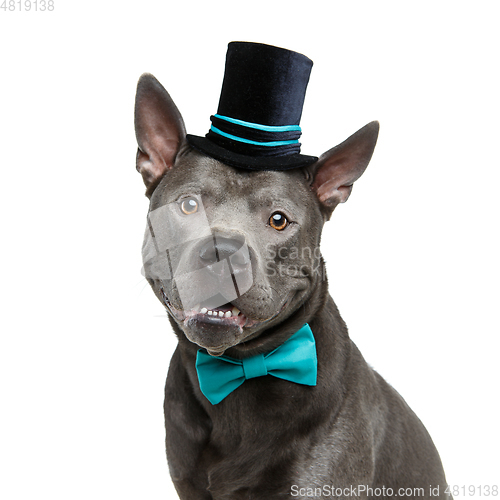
<point>412,257</point>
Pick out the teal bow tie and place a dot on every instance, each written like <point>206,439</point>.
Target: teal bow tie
<point>295,360</point>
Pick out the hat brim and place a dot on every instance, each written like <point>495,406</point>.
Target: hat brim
<point>283,162</point>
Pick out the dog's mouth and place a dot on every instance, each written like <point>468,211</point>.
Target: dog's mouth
<point>214,319</point>
<point>206,312</point>
<point>227,314</point>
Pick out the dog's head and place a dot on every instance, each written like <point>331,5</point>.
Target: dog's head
<point>233,254</point>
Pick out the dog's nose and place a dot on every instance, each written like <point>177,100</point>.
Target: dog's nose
<point>226,265</point>
<point>218,248</point>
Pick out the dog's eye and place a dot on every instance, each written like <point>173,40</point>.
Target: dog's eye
<point>278,221</point>
<point>189,205</point>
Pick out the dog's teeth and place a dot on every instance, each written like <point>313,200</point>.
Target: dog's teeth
<point>220,314</point>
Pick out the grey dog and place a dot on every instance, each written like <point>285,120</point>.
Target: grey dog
<point>349,435</point>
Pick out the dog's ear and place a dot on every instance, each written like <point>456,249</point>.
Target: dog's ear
<point>336,170</point>
<point>159,130</point>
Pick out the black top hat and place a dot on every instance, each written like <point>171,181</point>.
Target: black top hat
<point>257,123</point>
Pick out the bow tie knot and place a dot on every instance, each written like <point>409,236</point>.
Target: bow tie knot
<point>254,367</point>
<point>295,360</point>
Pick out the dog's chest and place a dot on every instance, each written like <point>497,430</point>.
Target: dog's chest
<point>245,453</point>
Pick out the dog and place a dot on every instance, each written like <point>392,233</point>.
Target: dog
<point>243,275</point>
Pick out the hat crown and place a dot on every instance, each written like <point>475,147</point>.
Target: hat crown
<point>264,84</point>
